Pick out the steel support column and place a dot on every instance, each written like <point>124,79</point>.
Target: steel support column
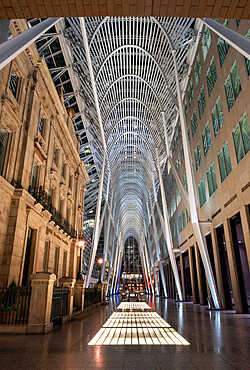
<point>168,233</point>
<point>157,248</point>
<point>147,262</point>
<point>110,264</point>
<point>106,240</point>
<point>151,259</point>
<point>115,262</point>
<point>97,225</point>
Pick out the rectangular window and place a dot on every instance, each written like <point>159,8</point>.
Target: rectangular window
<point>33,184</point>
<point>206,138</point>
<point>56,261</point>
<point>237,21</point>
<point>4,138</point>
<point>247,61</point>
<point>223,47</point>
<point>206,42</point>
<point>13,85</point>
<point>64,263</point>
<point>224,162</point>
<point>41,126</point>
<point>175,142</point>
<point>182,154</point>
<point>46,256</point>
<point>178,197</point>
<point>202,192</point>
<point>197,156</point>
<point>211,77</point>
<point>172,206</point>
<point>182,220</point>
<point>185,108</point>
<point>188,133</point>
<point>241,136</point>
<point>188,217</point>
<point>201,102</point>
<point>232,86</point>
<point>178,163</point>
<point>175,229</point>
<point>211,179</point>
<point>190,92</point>
<point>217,116</point>
<point>197,70</point>
<point>194,123</point>
<point>185,181</point>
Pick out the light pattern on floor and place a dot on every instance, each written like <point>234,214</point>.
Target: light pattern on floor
<point>137,328</point>
<point>133,306</point>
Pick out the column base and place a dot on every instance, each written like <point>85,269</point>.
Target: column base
<point>39,328</point>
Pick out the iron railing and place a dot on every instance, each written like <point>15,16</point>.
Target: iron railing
<point>45,200</point>
<point>14,305</point>
<point>59,304</point>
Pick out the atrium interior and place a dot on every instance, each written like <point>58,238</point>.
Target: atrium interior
<point>124,185</point>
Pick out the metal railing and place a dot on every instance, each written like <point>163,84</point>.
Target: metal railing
<point>14,305</point>
<point>45,200</point>
<point>59,303</point>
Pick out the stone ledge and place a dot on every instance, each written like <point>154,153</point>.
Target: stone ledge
<point>13,329</point>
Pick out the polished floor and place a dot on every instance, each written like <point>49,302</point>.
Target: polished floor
<point>218,340</point>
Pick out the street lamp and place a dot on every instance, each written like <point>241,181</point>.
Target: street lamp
<point>100,262</point>
<point>81,245</point>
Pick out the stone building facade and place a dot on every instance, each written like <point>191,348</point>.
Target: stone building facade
<point>217,113</point>
<point>41,175</point>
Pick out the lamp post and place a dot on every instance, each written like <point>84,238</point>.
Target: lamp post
<point>100,262</point>
<point>81,245</point>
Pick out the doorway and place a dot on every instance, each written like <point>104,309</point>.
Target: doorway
<point>241,260</point>
<point>29,256</point>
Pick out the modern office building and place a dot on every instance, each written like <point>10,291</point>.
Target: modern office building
<point>124,161</point>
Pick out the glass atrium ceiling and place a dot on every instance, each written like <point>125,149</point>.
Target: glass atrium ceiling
<point>118,75</point>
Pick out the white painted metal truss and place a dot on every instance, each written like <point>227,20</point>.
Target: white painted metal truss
<point>134,80</point>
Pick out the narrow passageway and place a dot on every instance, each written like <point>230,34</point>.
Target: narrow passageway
<point>218,340</point>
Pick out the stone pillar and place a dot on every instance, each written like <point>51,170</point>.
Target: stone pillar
<point>69,282</point>
<point>41,302</point>
<point>233,267</point>
<point>79,294</point>
<point>183,277</point>
<point>192,274</point>
<point>73,258</point>
<point>199,275</point>
<point>217,263</point>
<point>245,223</point>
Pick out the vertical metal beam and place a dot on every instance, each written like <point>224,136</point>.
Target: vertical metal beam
<point>168,233</point>
<point>151,259</point>
<point>97,225</point>
<point>235,39</point>
<point>106,240</point>
<point>147,262</point>
<point>110,264</point>
<point>157,248</point>
<point>115,261</point>
<point>144,267</point>
<point>194,214</point>
<point>11,48</point>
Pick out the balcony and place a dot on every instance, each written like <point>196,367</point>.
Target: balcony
<point>45,200</point>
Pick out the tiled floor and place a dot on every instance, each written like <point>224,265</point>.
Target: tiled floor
<point>218,340</point>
